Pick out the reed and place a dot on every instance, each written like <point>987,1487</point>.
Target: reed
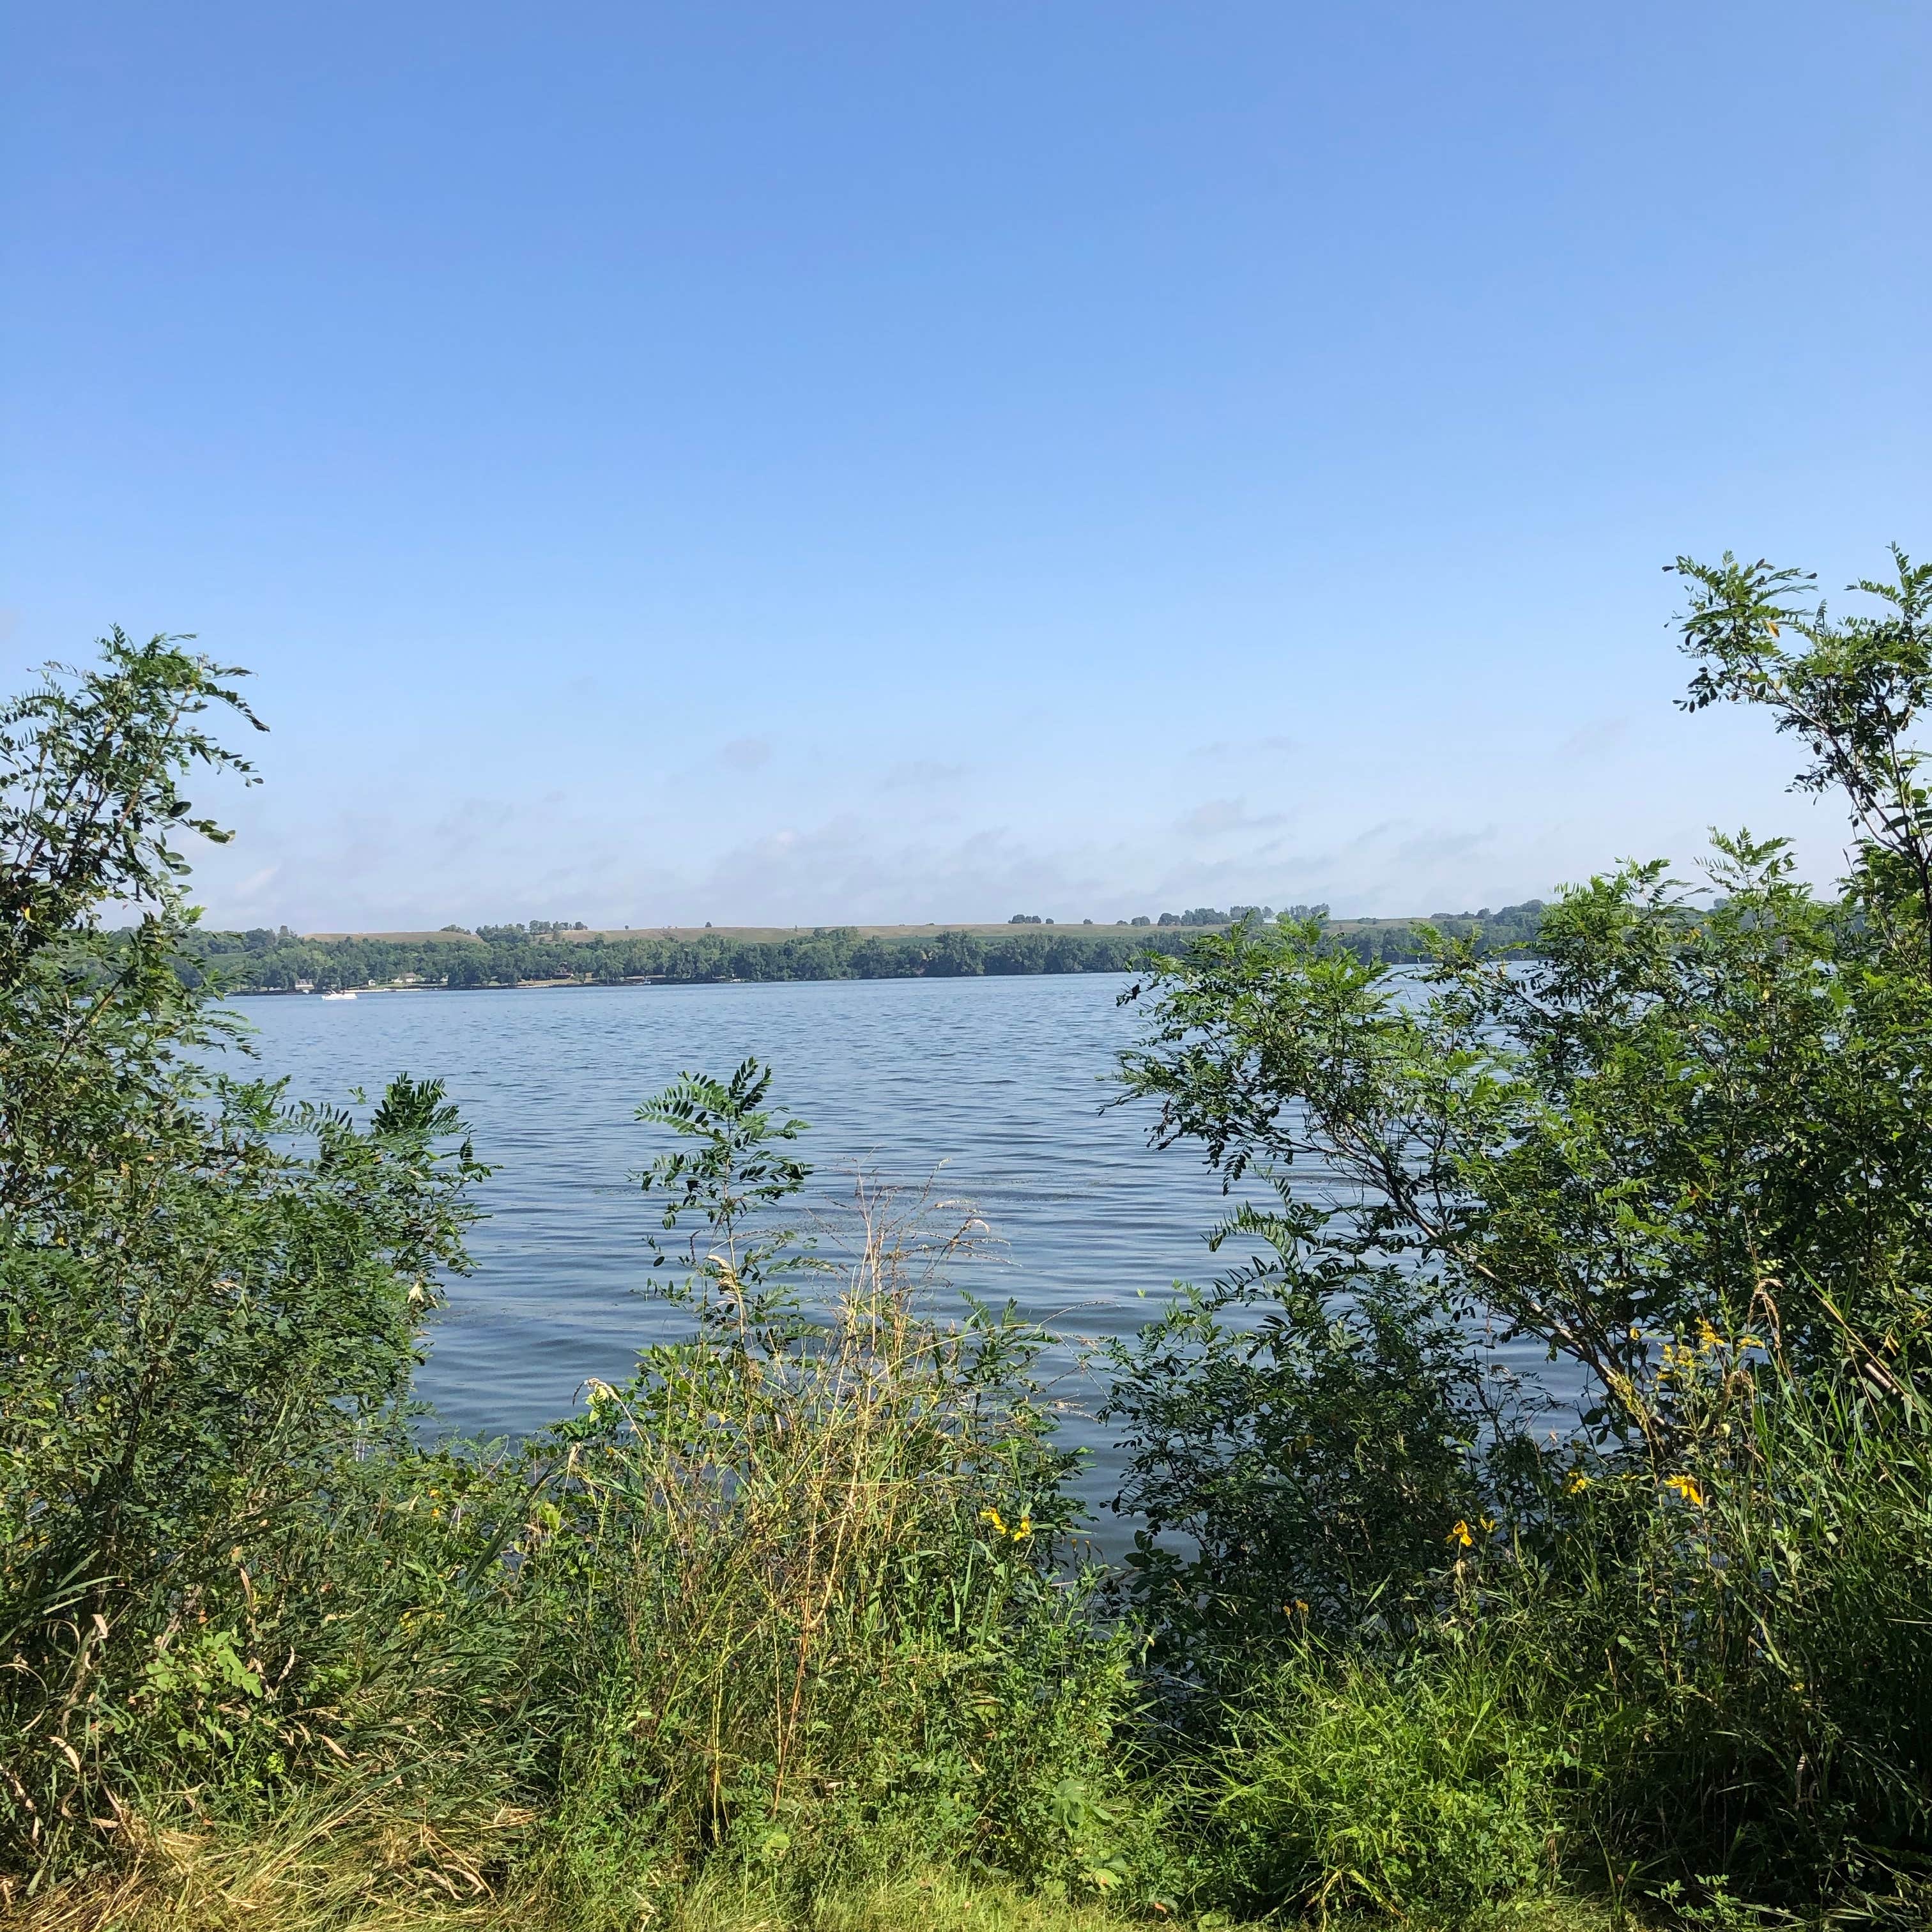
<point>808,1615</point>
<point>785,1615</point>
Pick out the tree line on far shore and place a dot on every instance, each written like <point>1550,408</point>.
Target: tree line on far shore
<point>276,960</point>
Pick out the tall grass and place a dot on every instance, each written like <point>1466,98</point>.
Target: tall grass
<point>1403,1786</point>
<point>805,1613</point>
<point>786,1614</point>
<point>1744,1614</point>
<point>293,1881</point>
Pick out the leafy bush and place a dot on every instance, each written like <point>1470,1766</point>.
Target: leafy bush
<point>786,1606</point>
<point>211,1299</point>
<point>1684,1151</point>
<point>1308,1455</point>
<point>1409,1788</point>
<point>807,1618</point>
<point>1765,1687</point>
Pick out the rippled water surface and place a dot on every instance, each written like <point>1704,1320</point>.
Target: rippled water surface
<point>1002,1080</point>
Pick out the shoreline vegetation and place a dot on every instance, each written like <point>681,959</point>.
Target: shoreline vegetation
<point>799,1628</point>
<point>275,960</point>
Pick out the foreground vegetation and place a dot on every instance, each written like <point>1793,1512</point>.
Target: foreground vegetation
<point>796,1626</point>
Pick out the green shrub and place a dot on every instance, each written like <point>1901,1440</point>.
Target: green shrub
<point>1684,1151</point>
<point>1747,1629</point>
<point>803,1614</point>
<point>211,1302</point>
<point>1410,1788</point>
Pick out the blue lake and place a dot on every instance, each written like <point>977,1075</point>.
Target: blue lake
<point>996,1086</point>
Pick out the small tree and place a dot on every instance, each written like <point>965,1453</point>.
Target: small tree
<point>1686,1150</point>
<point>210,1298</point>
<point>1685,1102</point>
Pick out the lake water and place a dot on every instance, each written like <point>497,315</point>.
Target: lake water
<point>996,1084</point>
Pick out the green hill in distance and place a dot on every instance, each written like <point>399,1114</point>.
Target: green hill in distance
<point>548,953</point>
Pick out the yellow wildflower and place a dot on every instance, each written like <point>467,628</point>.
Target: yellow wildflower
<point>1687,1488</point>
<point>1460,1534</point>
<point>993,1517</point>
<point>1576,1484</point>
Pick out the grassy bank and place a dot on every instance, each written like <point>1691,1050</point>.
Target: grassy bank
<point>321,1880</point>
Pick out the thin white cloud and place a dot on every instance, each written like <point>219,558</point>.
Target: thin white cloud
<point>921,774</point>
<point>1591,741</point>
<point>1217,818</point>
<point>746,754</point>
<point>1244,748</point>
<point>613,862</point>
<point>255,883</point>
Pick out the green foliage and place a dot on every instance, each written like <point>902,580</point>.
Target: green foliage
<point>1683,1150</point>
<point>1760,1708</point>
<point>1672,1107</point>
<point>1852,693</point>
<point>90,799</point>
<point>786,1606</point>
<point>1409,1789</point>
<point>731,1172</point>
<point>91,1026</point>
<point>1309,1455</point>
<point>211,1299</point>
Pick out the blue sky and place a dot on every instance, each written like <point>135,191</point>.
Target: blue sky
<point>814,462</point>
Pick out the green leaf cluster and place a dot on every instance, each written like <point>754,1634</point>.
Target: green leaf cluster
<point>1680,1152</point>
<point>211,1300</point>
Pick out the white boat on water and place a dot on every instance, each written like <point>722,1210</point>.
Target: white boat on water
<point>338,996</point>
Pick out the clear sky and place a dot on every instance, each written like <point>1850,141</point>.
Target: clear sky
<point>813,463</point>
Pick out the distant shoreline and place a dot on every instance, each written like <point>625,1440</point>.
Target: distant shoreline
<point>500,958</point>
<point>770,935</point>
<point>660,980</point>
